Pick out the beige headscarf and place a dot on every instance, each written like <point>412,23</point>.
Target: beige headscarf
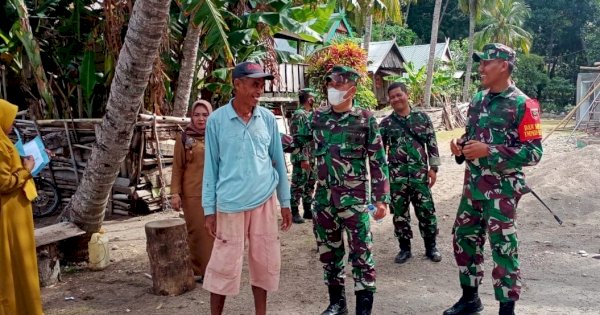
<point>191,130</point>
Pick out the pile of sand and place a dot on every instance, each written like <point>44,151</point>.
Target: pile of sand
<point>569,181</point>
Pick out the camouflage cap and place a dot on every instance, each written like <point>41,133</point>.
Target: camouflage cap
<point>495,51</point>
<point>339,72</point>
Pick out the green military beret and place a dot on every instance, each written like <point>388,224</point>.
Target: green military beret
<point>342,74</point>
<point>495,51</point>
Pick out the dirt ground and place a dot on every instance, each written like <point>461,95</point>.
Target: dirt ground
<point>556,278</point>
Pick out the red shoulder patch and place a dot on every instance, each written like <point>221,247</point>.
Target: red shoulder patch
<point>530,127</point>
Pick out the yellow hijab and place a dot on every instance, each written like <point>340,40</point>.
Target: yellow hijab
<point>8,113</point>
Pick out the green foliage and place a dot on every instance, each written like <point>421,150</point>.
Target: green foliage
<point>365,98</point>
<point>455,24</point>
<point>591,38</point>
<point>414,79</point>
<point>460,50</point>
<point>386,31</point>
<point>87,77</point>
<point>345,52</point>
<point>530,74</point>
<point>559,27</point>
<point>503,24</point>
<point>443,87</point>
<point>559,91</point>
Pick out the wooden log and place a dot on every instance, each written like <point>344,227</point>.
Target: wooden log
<point>120,197</point>
<point>122,205</point>
<point>169,257</point>
<point>48,264</point>
<point>124,190</point>
<point>153,161</point>
<point>120,212</point>
<point>164,119</point>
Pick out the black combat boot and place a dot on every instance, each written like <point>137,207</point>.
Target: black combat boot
<point>468,304</point>
<point>296,218</point>
<point>307,211</point>
<point>431,251</point>
<point>364,302</point>
<point>337,301</point>
<point>404,253</point>
<point>507,308</point>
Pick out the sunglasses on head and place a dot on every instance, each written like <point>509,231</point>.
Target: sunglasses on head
<point>338,78</point>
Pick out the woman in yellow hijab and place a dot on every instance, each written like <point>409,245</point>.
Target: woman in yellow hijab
<point>19,281</point>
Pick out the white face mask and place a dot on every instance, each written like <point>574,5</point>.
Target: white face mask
<point>335,96</point>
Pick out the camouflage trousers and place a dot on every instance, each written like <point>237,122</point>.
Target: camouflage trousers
<point>419,194</point>
<point>303,185</point>
<point>329,225</point>
<point>497,218</point>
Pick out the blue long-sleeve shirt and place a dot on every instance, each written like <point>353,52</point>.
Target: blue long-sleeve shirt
<point>244,163</point>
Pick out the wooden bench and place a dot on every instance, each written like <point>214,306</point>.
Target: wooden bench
<point>46,242</point>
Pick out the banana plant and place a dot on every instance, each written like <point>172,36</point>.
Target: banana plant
<point>22,30</point>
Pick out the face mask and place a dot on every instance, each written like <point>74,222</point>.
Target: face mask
<point>335,96</point>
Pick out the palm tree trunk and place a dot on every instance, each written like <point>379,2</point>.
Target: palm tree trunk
<point>134,66</point>
<point>435,24</point>
<point>444,11</point>
<point>472,14</point>
<point>407,11</point>
<point>188,68</point>
<point>32,49</point>
<point>368,30</point>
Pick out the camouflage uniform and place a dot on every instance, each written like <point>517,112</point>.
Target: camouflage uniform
<point>343,143</point>
<point>409,156</point>
<point>509,123</point>
<point>303,181</point>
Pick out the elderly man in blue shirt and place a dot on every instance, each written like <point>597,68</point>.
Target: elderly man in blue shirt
<point>244,166</point>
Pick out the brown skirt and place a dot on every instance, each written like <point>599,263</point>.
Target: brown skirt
<point>199,241</point>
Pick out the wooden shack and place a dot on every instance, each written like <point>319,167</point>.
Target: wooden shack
<point>384,59</point>
<point>143,182</point>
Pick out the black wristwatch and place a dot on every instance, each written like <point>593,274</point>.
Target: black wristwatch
<point>434,168</point>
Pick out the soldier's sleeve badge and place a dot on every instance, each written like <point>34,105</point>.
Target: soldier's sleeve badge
<point>530,127</point>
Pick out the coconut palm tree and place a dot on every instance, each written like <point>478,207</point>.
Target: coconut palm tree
<point>435,24</point>
<point>503,24</point>
<point>140,50</point>
<point>205,18</point>
<point>473,8</point>
<point>367,11</point>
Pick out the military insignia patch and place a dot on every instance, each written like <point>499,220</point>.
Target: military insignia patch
<point>530,127</point>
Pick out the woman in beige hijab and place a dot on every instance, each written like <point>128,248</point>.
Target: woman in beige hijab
<point>19,281</point>
<point>186,185</point>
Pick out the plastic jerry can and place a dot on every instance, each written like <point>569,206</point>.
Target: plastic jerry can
<point>98,251</point>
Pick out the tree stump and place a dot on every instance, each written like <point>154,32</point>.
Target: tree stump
<point>166,244</point>
<point>48,264</point>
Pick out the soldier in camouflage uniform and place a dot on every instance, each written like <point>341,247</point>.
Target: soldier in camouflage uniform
<point>503,134</point>
<point>409,139</point>
<point>345,138</point>
<point>303,175</point>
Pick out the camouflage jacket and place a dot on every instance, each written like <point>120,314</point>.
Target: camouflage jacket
<point>299,119</point>
<point>409,154</point>
<point>509,123</point>
<point>343,143</point>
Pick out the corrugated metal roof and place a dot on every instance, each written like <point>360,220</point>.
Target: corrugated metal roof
<point>419,54</point>
<point>377,53</point>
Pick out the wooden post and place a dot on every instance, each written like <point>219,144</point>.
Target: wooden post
<point>168,252</point>
<point>48,264</point>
